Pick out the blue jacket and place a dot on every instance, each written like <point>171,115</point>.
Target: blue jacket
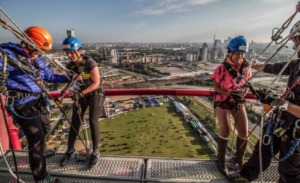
<point>18,80</point>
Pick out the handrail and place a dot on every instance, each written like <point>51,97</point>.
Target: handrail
<point>152,91</point>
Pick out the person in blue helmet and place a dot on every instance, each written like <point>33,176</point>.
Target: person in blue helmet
<point>281,131</point>
<point>87,94</point>
<point>229,78</point>
<point>23,76</point>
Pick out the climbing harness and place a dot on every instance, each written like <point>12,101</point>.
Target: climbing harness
<point>272,124</point>
<point>6,124</point>
<point>234,73</point>
<point>15,62</point>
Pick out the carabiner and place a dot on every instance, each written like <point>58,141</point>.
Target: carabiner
<point>10,101</point>
<point>266,139</point>
<point>296,127</point>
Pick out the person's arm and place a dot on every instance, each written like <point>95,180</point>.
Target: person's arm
<point>294,109</point>
<point>95,77</point>
<point>258,67</point>
<point>219,89</point>
<point>48,75</point>
<point>274,68</point>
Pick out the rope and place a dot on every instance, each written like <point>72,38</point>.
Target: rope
<point>49,96</point>
<point>260,148</point>
<point>24,37</point>
<point>8,166</point>
<point>276,36</point>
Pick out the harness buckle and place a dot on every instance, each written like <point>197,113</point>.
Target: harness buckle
<point>266,139</point>
<point>279,131</point>
<point>36,74</point>
<point>10,100</point>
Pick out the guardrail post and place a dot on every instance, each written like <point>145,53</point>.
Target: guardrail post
<point>13,130</point>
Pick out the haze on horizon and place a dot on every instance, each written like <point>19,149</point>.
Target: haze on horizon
<point>151,21</point>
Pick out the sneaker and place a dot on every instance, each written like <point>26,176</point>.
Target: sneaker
<point>93,160</point>
<point>68,155</point>
<point>49,179</point>
<point>49,152</point>
<point>237,177</point>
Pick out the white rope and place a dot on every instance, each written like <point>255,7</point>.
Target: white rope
<point>7,164</point>
<point>284,67</point>
<point>27,40</point>
<point>260,146</point>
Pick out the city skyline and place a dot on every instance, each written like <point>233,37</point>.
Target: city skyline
<point>152,20</point>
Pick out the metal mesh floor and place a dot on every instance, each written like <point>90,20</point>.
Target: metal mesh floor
<point>170,170</point>
<point>127,169</point>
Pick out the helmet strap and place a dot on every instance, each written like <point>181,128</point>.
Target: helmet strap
<point>78,57</point>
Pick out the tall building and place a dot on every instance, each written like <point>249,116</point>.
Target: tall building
<point>190,57</point>
<point>114,53</point>
<point>226,41</point>
<point>203,52</point>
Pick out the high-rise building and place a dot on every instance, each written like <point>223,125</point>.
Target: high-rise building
<point>203,52</point>
<point>114,53</point>
<point>190,57</point>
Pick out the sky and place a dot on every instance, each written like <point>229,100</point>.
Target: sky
<point>139,21</point>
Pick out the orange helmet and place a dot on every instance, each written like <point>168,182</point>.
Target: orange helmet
<point>40,36</point>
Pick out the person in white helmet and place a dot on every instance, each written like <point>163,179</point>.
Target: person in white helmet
<point>286,120</point>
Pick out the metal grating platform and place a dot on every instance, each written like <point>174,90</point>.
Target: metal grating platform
<point>183,171</point>
<point>127,169</point>
<point>170,170</point>
<point>109,168</point>
<point>6,177</point>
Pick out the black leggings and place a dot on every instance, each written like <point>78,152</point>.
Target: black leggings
<point>95,103</point>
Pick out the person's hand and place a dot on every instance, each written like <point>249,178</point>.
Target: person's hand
<point>268,97</point>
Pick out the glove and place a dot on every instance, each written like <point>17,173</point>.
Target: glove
<point>268,97</point>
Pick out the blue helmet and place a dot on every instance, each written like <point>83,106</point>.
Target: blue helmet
<point>238,44</point>
<point>71,43</point>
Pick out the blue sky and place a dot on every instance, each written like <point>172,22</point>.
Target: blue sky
<point>151,20</point>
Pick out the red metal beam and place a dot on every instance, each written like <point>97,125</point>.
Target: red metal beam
<point>147,91</point>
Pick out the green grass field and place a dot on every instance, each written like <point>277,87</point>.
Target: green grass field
<point>153,132</point>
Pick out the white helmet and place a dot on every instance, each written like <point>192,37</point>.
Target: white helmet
<point>296,29</point>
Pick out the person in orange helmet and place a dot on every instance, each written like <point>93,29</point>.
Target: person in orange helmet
<point>23,74</point>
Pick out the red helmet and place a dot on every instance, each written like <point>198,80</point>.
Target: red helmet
<point>40,36</point>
